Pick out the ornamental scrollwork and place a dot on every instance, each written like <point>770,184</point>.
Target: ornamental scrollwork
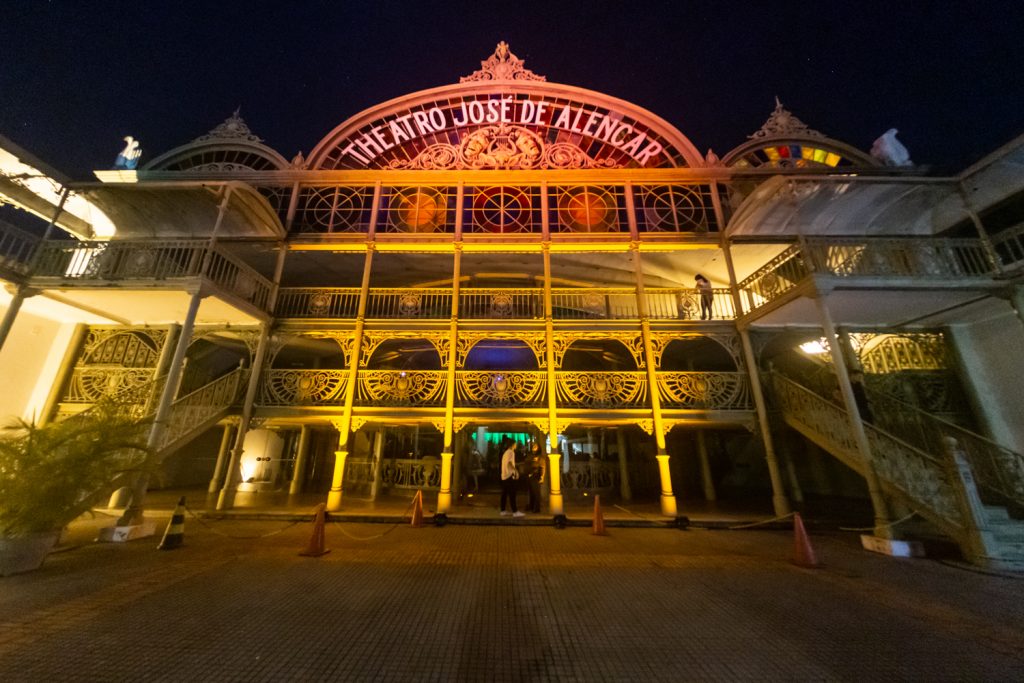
<point>401,387</point>
<point>563,424</point>
<point>502,146</point>
<point>357,423</point>
<point>437,423</point>
<point>490,389</point>
<point>303,387</point>
<point>541,423</point>
<point>503,65</point>
<point>782,123</point>
<point>705,390</point>
<point>458,424</point>
<point>232,128</point>
<point>646,425</point>
<point>602,389</point>
<point>89,384</point>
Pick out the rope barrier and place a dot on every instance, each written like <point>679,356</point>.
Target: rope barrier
<point>763,521</point>
<point>408,508</point>
<point>913,513</point>
<point>203,523</point>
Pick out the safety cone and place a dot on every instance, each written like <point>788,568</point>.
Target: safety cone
<point>598,529</point>
<point>316,542</point>
<point>803,553</point>
<point>417,510</point>
<point>174,536</point>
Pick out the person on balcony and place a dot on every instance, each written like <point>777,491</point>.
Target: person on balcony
<point>509,480</point>
<point>707,296</point>
<point>536,468</point>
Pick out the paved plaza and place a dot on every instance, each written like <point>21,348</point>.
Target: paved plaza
<point>500,603</point>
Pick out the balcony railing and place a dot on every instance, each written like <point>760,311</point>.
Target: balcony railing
<point>598,303</point>
<point>898,257</point>
<point>16,248</point>
<point>84,261</point>
<point>705,390</point>
<point>506,389</point>
<point>773,279</point>
<point>1009,247</point>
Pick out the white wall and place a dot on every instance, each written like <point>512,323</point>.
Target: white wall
<point>992,369</point>
<point>29,362</point>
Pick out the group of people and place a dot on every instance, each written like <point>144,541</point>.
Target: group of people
<point>533,469</point>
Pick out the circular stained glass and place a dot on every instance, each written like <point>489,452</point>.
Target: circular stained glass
<point>502,209</point>
<point>587,210</point>
<point>418,210</point>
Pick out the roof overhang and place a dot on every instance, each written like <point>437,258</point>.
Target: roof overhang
<point>789,206</point>
<point>184,210</point>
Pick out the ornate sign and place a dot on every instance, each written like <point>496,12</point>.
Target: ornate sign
<point>503,116</point>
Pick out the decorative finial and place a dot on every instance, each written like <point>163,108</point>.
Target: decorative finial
<point>502,66</point>
<point>128,159</point>
<point>299,161</point>
<point>712,158</point>
<point>891,151</point>
<point>233,128</point>
<point>782,123</point>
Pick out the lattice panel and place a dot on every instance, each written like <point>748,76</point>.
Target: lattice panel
<point>674,208</point>
<point>337,209</point>
<point>587,208</point>
<point>417,209</point>
<point>502,209</point>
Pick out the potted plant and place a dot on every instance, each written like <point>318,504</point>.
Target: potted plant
<point>51,474</point>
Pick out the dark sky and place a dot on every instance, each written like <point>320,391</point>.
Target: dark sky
<point>77,76</point>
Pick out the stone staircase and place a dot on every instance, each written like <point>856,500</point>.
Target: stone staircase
<point>938,483</point>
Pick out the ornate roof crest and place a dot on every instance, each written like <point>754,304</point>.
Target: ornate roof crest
<point>782,123</point>
<point>502,66</point>
<point>233,128</point>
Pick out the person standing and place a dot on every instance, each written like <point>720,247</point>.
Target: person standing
<point>707,296</point>
<point>536,468</point>
<point>509,480</point>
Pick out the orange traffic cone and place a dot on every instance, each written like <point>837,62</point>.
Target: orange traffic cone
<point>598,528</point>
<point>174,535</point>
<point>316,542</point>
<point>803,553</point>
<point>417,510</point>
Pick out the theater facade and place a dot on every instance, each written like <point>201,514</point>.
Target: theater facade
<point>510,258</point>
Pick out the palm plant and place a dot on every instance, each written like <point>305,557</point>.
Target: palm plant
<point>51,474</point>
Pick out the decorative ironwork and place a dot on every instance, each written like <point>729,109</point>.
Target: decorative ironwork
<point>502,66</point>
<point>602,389</point>
<point>933,257</point>
<point>782,123</point>
<point>780,275</point>
<point>493,389</point>
<point>893,353</point>
<point>424,473</point>
<point>303,387</point>
<point>502,209</point>
<point>123,347</point>
<point>705,390</point>
<point>334,209</point>
<point>586,208</point>
<point>92,383</point>
<point>401,387</point>
<point>675,208</point>
<point>591,476</point>
<point>232,128</point>
<point>415,209</point>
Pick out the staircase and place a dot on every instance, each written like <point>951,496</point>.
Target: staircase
<point>938,483</point>
<point>190,415</point>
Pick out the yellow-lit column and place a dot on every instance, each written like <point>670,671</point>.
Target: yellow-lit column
<point>444,496</point>
<point>668,499</point>
<point>555,500</point>
<point>344,423</point>
<point>67,368</point>
<point>624,490</point>
<point>705,467</point>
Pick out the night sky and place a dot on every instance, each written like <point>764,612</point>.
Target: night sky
<point>75,77</point>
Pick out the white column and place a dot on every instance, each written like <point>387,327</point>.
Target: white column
<point>301,458</point>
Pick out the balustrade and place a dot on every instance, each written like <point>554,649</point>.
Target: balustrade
<point>773,279</point>
<point>401,387</point>
<point>603,303</point>
<point>602,389</point>
<point>684,304</point>
<point>898,257</point>
<point>594,476</point>
<point>194,410</point>
<point>500,389</point>
<point>409,303</point>
<point>92,260</point>
<point>477,303</point>
<point>705,390</point>
<point>1009,246</point>
<point>309,302</point>
<point>424,473</point>
<point>303,387</point>
<point>16,248</point>
<point>91,383</point>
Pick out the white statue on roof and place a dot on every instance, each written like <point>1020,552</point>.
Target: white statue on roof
<point>891,151</point>
<point>128,159</point>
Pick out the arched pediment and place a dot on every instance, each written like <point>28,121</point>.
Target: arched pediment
<point>229,147</point>
<point>504,117</point>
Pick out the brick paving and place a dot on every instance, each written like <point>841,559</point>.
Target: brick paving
<point>501,603</point>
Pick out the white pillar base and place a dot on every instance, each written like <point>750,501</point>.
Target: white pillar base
<point>893,548</point>
<point>123,534</point>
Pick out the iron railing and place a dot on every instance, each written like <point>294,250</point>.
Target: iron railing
<point>898,257</point>
<point>780,275</point>
<point>16,248</point>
